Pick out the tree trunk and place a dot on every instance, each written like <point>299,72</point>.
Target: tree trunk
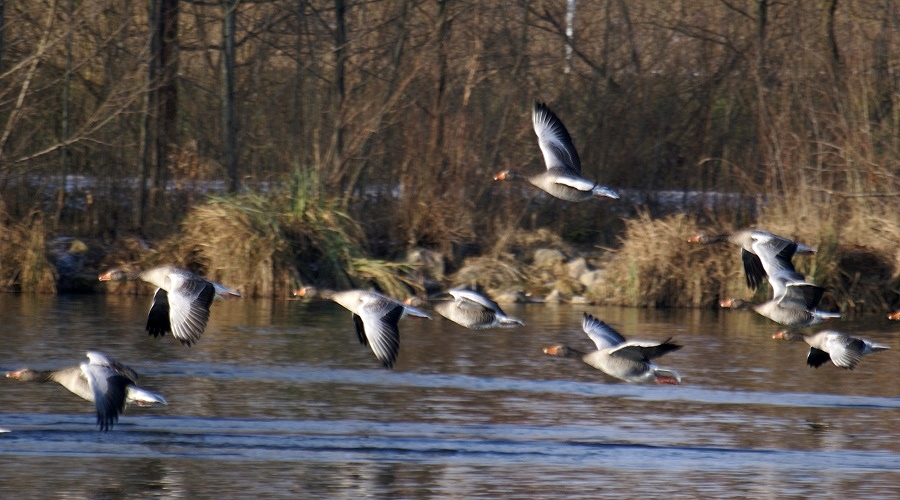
<point>434,158</point>
<point>339,90</point>
<point>830,6</point>
<point>64,133</point>
<point>168,90</point>
<point>147,122</point>
<point>228,124</point>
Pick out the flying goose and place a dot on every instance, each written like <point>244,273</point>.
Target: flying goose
<point>181,303</point>
<point>843,350</point>
<point>625,360</point>
<point>563,177</point>
<point>793,302</point>
<point>473,310</point>
<point>109,384</point>
<point>375,316</point>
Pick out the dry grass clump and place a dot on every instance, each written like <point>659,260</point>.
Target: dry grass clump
<point>392,278</point>
<point>857,258</point>
<point>265,246</point>
<point>24,266</point>
<point>237,241</point>
<point>657,267</point>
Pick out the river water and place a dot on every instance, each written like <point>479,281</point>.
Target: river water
<point>278,399</point>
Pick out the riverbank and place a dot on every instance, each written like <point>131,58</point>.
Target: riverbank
<point>263,248</point>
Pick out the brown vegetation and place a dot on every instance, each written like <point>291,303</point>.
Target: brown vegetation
<point>24,266</point>
<point>389,117</point>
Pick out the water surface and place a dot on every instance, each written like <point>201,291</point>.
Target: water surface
<point>279,399</point>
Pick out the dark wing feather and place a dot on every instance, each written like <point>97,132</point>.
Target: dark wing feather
<point>662,349</point>
<point>641,351</point>
<point>360,330</point>
<point>753,269</point>
<point>817,357</point>
<point>113,403</point>
<point>158,319</point>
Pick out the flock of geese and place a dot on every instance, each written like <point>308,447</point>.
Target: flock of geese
<point>181,304</point>
<point>795,300</point>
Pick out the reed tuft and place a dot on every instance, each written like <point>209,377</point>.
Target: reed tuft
<point>656,267</point>
<point>24,266</point>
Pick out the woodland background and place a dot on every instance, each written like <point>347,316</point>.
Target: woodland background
<point>270,142</point>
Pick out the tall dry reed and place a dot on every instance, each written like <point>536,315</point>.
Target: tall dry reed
<point>24,266</point>
<point>655,266</point>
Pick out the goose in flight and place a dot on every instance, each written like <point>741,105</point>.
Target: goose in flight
<point>375,316</point>
<point>475,311</point>
<point>181,302</point>
<point>617,357</point>
<point>107,383</point>
<point>842,349</point>
<point>794,302</point>
<point>562,178</point>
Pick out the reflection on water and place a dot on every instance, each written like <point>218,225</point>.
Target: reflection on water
<point>279,399</point>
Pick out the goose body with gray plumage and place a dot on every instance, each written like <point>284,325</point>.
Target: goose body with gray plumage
<point>375,316</point>
<point>762,253</point>
<point>842,349</point>
<point>794,302</point>
<point>475,311</point>
<point>563,178</point>
<point>107,383</point>
<point>181,302</point>
<point>617,357</point>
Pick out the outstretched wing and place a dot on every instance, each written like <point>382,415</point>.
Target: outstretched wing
<point>799,295</point>
<point>603,335</point>
<point>189,309</point>
<point>468,299</point>
<point>845,351</point>
<point>555,141</point>
<point>775,253</point>
<point>644,351</point>
<point>380,331</point>
<point>109,390</point>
